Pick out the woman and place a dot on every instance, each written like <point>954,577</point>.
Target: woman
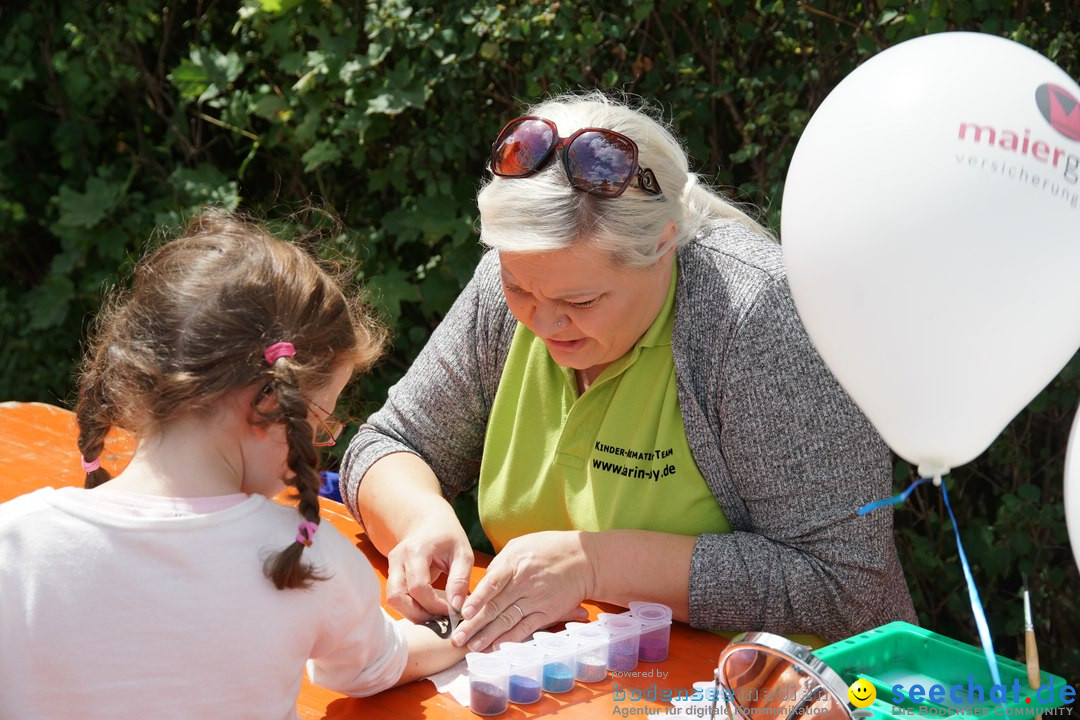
<point>627,376</point>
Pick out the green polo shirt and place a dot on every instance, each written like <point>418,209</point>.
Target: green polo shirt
<point>612,457</point>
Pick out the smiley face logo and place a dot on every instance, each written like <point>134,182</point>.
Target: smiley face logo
<point>861,693</point>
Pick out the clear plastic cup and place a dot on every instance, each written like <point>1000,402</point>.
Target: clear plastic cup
<point>526,671</point>
<point>655,630</point>
<point>591,657</point>
<point>625,631</point>
<point>489,676</point>
<point>558,673</point>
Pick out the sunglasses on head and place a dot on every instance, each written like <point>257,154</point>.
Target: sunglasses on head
<point>597,161</point>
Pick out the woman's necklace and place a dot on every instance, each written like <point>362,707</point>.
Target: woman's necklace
<point>585,378</point>
<point>582,381</point>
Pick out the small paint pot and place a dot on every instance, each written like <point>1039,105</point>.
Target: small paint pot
<point>489,675</point>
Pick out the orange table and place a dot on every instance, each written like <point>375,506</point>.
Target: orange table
<point>37,449</point>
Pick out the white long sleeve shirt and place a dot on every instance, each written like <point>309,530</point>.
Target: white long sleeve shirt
<point>114,605</point>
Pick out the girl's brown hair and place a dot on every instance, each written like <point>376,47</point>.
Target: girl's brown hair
<point>193,327</point>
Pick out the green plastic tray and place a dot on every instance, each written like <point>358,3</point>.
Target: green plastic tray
<point>902,653</point>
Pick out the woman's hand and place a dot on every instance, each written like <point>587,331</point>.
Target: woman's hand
<point>433,547</point>
<point>536,581</point>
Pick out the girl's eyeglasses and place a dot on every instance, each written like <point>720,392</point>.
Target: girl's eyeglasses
<point>597,161</point>
<point>329,428</point>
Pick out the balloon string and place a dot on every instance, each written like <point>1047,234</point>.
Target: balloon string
<point>894,500</point>
<point>973,592</point>
<point>973,595</point>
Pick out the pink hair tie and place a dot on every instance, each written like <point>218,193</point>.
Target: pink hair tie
<point>278,350</point>
<point>307,533</point>
<point>91,465</point>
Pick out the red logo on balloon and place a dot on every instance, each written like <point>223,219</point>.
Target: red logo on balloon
<point>1060,109</point>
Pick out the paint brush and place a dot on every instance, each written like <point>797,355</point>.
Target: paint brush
<point>1031,650</point>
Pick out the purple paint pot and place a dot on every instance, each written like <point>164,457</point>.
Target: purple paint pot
<point>488,682</point>
<point>655,630</point>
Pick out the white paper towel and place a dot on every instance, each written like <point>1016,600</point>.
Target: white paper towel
<point>455,681</point>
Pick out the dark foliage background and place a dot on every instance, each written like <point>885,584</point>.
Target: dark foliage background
<point>119,118</point>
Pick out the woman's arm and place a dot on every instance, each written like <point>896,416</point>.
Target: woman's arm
<point>378,498</point>
<point>801,458</point>
<point>642,565</point>
<point>408,519</point>
<point>425,445</point>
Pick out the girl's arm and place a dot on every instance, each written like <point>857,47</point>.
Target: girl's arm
<point>428,653</point>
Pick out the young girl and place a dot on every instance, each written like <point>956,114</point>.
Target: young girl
<point>178,588</point>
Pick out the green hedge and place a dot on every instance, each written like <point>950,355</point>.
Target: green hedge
<point>124,117</point>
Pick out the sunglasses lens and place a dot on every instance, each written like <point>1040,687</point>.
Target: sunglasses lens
<point>601,163</point>
<point>521,147</point>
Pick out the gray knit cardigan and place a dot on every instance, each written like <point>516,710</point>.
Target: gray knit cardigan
<point>785,451</point>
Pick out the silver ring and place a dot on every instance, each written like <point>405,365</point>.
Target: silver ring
<point>522,612</point>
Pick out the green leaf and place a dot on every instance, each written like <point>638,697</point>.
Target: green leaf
<point>87,209</point>
<point>206,73</point>
<point>205,185</point>
<point>399,91</point>
<point>115,242</point>
<point>270,107</point>
<point>395,100</point>
<point>225,66</point>
<point>278,6</point>
<point>309,126</point>
<point>1029,492</point>
<point>887,16</point>
<point>321,153</point>
<point>49,301</point>
<point>390,289</point>
<point>190,78</point>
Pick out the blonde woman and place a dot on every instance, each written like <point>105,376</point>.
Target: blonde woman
<point>628,381</point>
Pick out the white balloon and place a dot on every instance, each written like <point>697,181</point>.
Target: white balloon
<point>931,233</point>
<point>1072,488</point>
